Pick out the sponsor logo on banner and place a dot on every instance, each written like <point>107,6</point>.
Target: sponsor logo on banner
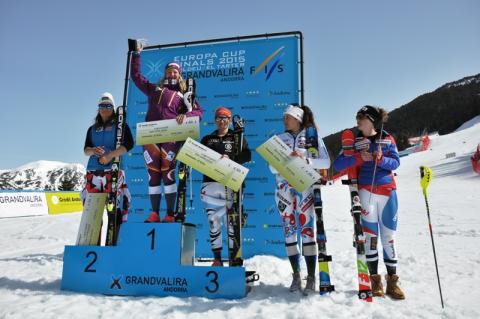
<point>267,68</point>
<point>272,226</point>
<point>249,195</point>
<point>276,119</point>
<point>64,202</point>
<point>134,167</point>
<point>257,179</point>
<point>279,93</point>
<point>254,107</point>
<point>23,204</point>
<point>167,284</point>
<point>144,196</point>
<point>226,95</point>
<point>269,242</point>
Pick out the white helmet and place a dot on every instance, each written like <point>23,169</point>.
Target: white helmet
<point>106,98</point>
<point>295,111</point>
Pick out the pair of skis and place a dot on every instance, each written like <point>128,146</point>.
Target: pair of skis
<point>235,213</point>
<point>364,284</point>
<point>114,220</point>
<point>325,285</point>
<point>184,172</point>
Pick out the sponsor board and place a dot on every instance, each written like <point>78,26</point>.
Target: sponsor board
<point>63,202</point>
<point>16,204</point>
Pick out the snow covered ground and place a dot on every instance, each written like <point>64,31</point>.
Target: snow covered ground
<point>31,251</point>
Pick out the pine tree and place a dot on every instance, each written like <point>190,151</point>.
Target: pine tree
<point>66,185</point>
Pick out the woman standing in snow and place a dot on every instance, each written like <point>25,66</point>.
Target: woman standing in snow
<point>167,99</point>
<point>100,145</point>
<point>375,160</point>
<point>296,208</point>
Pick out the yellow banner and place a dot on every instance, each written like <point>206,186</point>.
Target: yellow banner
<point>63,202</point>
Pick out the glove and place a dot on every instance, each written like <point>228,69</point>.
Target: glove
<point>186,101</point>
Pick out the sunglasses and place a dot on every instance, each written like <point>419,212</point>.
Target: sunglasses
<point>222,118</point>
<point>105,106</point>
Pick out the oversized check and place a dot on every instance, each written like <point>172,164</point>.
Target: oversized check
<point>167,131</point>
<point>211,163</point>
<point>294,169</point>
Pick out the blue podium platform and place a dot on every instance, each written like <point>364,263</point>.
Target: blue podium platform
<point>149,259</point>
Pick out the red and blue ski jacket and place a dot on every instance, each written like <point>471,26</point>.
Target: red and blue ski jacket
<point>390,160</point>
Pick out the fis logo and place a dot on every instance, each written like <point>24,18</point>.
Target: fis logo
<point>269,69</point>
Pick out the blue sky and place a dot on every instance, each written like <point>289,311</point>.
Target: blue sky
<point>58,56</point>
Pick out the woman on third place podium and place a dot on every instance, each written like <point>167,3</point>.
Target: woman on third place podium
<point>213,194</point>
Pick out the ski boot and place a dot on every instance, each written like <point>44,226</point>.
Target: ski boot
<point>217,263</point>
<point>377,287</point>
<point>310,286</point>
<point>392,287</point>
<point>153,218</point>
<point>296,284</point>
<point>169,218</point>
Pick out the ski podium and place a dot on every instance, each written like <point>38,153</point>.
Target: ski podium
<point>144,258</point>
<point>149,259</point>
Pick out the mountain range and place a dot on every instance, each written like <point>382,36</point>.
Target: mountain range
<point>443,111</point>
<point>43,175</point>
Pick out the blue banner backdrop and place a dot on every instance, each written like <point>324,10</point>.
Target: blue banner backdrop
<point>255,78</point>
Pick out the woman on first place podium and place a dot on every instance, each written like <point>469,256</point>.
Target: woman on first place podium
<point>167,99</point>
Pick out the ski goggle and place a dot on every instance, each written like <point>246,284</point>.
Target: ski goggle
<point>105,106</point>
<point>361,116</point>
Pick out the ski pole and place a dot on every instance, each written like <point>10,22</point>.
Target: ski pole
<point>191,186</point>
<point>375,166</point>
<point>425,178</point>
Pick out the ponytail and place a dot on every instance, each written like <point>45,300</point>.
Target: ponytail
<point>308,118</point>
